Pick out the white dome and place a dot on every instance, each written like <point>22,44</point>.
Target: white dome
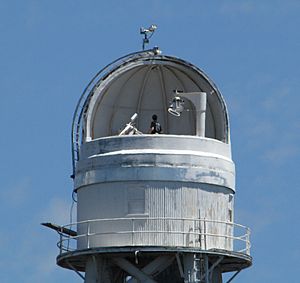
<point>144,83</point>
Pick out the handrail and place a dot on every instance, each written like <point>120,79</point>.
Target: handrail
<point>156,218</point>
<point>200,238</point>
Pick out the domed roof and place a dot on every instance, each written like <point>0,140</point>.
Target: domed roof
<point>144,83</point>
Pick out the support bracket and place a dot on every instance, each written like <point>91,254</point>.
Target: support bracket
<point>232,277</point>
<point>73,268</point>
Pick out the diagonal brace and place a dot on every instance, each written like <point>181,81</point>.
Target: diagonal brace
<point>132,270</point>
<point>156,266</point>
<point>209,271</point>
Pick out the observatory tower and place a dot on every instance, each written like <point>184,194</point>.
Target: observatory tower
<point>153,207</point>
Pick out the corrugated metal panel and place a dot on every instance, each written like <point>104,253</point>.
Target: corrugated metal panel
<point>156,209</point>
<point>169,201</point>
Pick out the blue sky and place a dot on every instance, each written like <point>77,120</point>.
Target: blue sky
<point>51,49</point>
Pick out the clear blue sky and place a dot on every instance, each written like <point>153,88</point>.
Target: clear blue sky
<point>49,50</point>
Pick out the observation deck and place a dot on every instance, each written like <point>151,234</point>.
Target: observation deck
<point>153,236</point>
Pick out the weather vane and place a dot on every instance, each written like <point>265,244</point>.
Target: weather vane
<point>147,34</point>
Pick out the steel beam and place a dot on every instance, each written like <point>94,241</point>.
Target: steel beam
<point>234,275</point>
<point>156,266</point>
<point>74,269</point>
<point>132,270</point>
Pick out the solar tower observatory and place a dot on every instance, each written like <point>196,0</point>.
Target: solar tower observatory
<point>153,207</point>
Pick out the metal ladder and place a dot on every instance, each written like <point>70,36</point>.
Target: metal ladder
<point>199,267</point>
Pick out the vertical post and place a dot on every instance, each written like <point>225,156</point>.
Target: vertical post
<point>182,231</point>
<point>199,101</point>
<point>165,235</point>
<point>60,242</point>
<point>194,234</point>
<point>200,232</point>
<point>87,235</point>
<point>132,234</point>
<point>69,239</point>
<point>201,114</point>
<point>247,242</point>
<point>204,232</point>
<point>206,268</point>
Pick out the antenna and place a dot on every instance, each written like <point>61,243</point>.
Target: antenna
<point>147,34</point>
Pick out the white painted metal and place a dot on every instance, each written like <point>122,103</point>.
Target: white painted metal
<point>165,157</point>
<point>155,200</point>
<point>199,101</point>
<point>148,231</point>
<point>168,191</point>
<point>145,85</point>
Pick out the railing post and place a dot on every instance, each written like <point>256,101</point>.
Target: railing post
<point>60,243</point>
<point>194,234</point>
<point>204,230</point>
<point>68,246</point>
<point>88,234</point>
<point>200,233</point>
<point>132,234</point>
<point>182,230</point>
<point>248,242</point>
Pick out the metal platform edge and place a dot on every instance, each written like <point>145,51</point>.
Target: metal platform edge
<point>232,261</point>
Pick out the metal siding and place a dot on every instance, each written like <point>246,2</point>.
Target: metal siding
<point>156,209</point>
<point>168,200</point>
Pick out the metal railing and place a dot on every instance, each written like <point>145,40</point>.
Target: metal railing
<point>146,231</point>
